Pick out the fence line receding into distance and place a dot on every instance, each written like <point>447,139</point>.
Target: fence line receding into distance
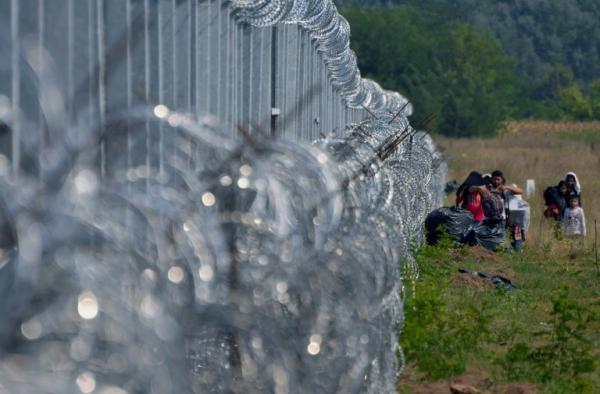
<point>168,226</point>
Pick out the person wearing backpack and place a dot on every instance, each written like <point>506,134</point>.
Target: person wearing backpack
<point>498,185</point>
<point>487,208</point>
<point>485,200</point>
<point>493,206</point>
<point>489,233</point>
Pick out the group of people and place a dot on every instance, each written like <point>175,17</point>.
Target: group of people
<point>496,204</point>
<point>563,204</point>
<point>499,206</point>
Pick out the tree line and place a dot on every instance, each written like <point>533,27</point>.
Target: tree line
<point>474,64</point>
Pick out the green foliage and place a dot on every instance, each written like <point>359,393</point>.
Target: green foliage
<point>552,48</point>
<point>447,69</point>
<point>594,98</point>
<point>565,353</point>
<point>548,40</point>
<point>573,105</point>
<point>437,337</point>
<point>452,328</point>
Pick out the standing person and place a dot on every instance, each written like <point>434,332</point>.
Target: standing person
<point>506,192</point>
<point>498,185</point>
<point>574,220</point>
<point>573,186</point>
<point>555,198</point>
<point>518,220</point>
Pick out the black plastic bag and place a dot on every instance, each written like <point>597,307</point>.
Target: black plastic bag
<point>457,222</point>
<point>460,226</point>
<point>489,235</point>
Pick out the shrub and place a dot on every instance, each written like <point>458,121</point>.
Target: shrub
<point>566,352</point>
<point>573,105</point>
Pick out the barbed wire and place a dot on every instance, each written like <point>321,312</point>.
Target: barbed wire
<point>192,260</point>
<point>331,33</point>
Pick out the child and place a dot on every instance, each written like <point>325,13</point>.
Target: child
<point>574,219</point>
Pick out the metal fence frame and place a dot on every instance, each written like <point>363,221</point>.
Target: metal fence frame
<point>107,56</point>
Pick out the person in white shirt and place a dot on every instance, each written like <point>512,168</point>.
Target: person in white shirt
<point>574,219</point>
<point>498,185</point>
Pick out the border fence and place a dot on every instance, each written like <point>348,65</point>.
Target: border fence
<point>107,56</point>
<point>168,226</point>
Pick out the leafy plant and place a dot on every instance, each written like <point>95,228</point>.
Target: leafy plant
<point>566,352</point>
<point>573,104</point>
<point>437,337</point>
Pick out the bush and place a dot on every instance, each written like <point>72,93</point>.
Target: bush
<point>565,354</point>
<point>573,105</point>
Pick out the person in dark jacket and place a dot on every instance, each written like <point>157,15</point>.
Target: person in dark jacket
<point>555,198</point>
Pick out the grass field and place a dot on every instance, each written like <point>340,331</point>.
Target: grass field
<point>543,336</point>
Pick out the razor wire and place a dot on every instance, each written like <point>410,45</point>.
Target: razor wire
<point>331,31</point>
<point>206,262</point>
<point>238,267</point>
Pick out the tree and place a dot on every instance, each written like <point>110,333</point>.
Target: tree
<point>573,105</point>
<point>553,44</point>
<point>594,98</point>
<point>448,69</point>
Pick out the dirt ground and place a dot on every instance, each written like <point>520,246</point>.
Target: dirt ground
<point>469,383</point>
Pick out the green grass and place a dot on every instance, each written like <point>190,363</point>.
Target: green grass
<point>545,332</point>
<point>489,338</point>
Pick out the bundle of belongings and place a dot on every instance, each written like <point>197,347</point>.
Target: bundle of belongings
<point>460,225</point>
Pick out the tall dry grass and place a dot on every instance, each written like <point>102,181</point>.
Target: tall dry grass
<point>543,151</point>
